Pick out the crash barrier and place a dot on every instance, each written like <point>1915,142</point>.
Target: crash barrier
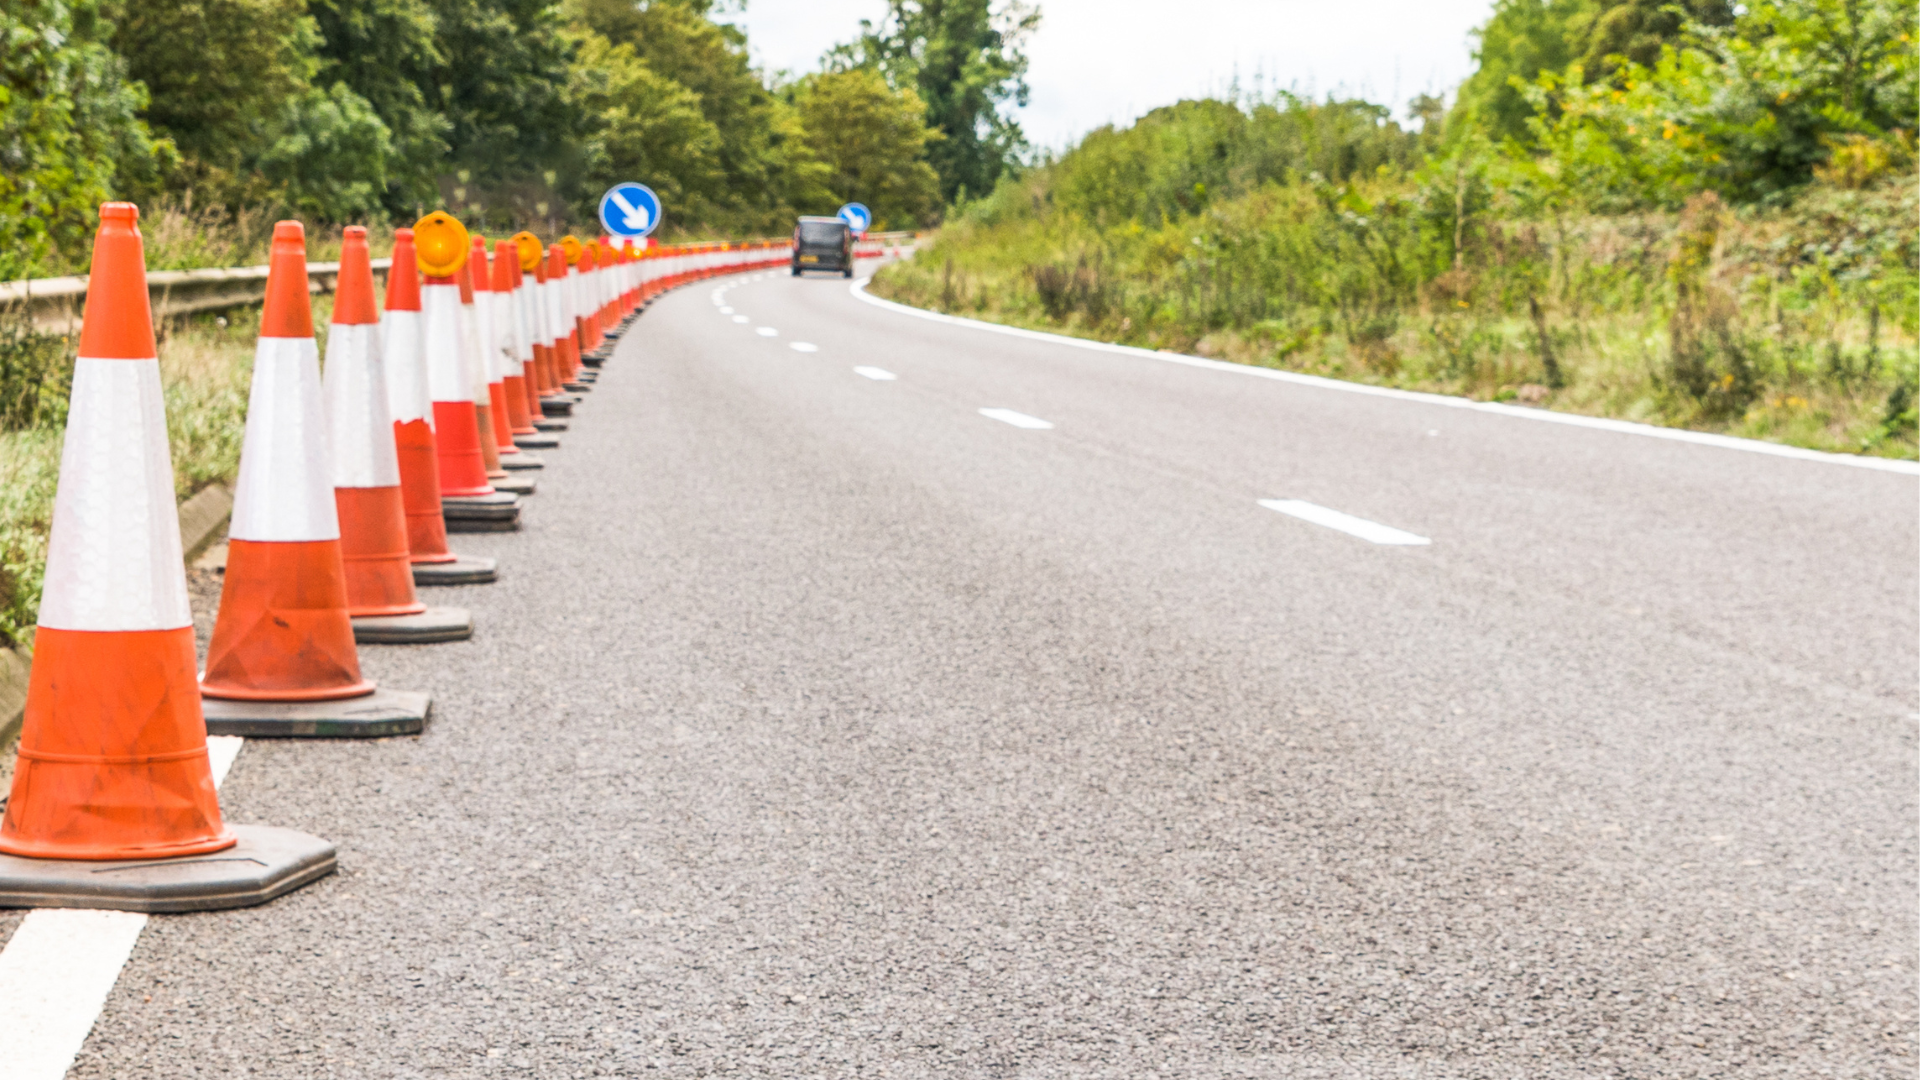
<point>347,489</point>
<point>53,305</point>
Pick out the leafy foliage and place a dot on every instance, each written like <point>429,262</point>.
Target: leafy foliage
<point>872,144</point>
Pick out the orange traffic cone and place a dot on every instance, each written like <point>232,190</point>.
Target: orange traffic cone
<point>283,632</point>
<point>366,471</point>
<point>476,339</point>
<point>566,327</point>
<point>468,501</point>
<point>418,449</point>
<point>506,282</point>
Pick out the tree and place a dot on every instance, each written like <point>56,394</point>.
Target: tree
<point>501,83</point>
<point>640,125</point>
<point>1521,39</point>
<point>1638,29</point>
<point>873,141</point>
<point>965,60</point>
<point>385,51</point>
<point>68,125</point>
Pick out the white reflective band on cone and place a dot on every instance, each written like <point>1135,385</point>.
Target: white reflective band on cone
<point>557,320</point>
<point>476,334</point>
<point>505,357</point>
<point>523,323</point>
<point>285,490</point>
<point>113,559</point>
<point>444,341</point>
<point>406,364</point>
<point>359,427</point>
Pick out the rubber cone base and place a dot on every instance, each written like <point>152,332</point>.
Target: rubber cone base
<point>463,570</point>
<point>267,862</point>
<point>550,425</point>
<point>538,442</point>
<point>425,628</point>
<point>372,716</point>
<point>554,407</point>
<point>517,485</point>
<point>522,462</point>
<point>498,512</point>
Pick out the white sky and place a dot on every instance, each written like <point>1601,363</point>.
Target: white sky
<point>1095,61</point>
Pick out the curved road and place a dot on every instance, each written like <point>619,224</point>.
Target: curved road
<point>822,724</point>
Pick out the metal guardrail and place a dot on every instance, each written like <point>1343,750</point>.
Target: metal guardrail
<point>54,304</point>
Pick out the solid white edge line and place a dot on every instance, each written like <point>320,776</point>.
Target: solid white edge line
<point>1017,419</point>
<point>1620,427</point>
<point>874,373</point>
<point>1370,531</point>
<point>61,963</point>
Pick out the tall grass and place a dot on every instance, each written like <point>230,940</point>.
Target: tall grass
<point>1794,324</point>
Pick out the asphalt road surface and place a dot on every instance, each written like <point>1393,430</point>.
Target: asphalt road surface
<point>823,725</point>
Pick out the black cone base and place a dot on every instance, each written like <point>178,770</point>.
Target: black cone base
<point>431,625</point>
<point>464,570</point>
<point>514,485</point>
<point>268,862</point>
<point>522,462</point>
<point>555,407</point>
<point>542,441</point>
<point>370,716</point>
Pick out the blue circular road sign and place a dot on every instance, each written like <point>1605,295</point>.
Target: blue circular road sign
<point>630,209</point>
<point>857,217</point>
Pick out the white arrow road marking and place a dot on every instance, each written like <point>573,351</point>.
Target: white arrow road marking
<point>632,216</point>
<point>767,331</point>
<point>1371,531</point>
<point>878,374</point>
<point>803,346</point>
<point>61,964</point>
<point>1017,419</point>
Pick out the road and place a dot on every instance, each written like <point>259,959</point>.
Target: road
<point>823,725</point>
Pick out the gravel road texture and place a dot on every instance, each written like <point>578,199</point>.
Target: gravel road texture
<point>819,726</point>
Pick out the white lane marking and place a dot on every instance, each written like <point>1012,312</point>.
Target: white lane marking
<point>1515,412</point>
<point>221,750</point>
<point>1371,531</point>
<point>55,976</point>
<point>803,346</point>
<point>740,319</point>
<point>880,375</point>
<point>724,310</point>
<point>1017,419</point>
<point>767,331</point>
<point>60,965</point>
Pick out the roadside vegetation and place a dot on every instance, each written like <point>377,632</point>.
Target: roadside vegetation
<point>1719,234</point>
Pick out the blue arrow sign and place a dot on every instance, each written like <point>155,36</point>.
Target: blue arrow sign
<point>856,216</point>
<point>630,209</point>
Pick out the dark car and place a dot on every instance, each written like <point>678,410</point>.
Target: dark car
<point>822,243</point>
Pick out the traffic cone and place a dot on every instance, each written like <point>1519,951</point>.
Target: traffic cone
<point>412,406</point>
<point>476,337</point>
<point>366,471</point>
<point>506,282</point>
<point>495,340</point>
<point>113,766</point>
<point>528,304</point>
<point>554,401</point>
<point>468,501</point>
<point>566,324</point>
<point>282,655</point>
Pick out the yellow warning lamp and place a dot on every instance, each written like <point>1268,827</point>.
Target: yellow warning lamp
<point>591,251</point>
<point>440,242</point>
<point>570,247</point>
<point>530,249</point>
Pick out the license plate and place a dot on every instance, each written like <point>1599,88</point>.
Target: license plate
<point>809,258</point>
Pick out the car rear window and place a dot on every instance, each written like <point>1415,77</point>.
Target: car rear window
<point>821,232</point>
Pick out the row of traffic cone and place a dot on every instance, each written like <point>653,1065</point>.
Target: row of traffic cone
<point>340,511</point>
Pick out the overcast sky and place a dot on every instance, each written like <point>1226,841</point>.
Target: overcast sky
<point>1096,61</point>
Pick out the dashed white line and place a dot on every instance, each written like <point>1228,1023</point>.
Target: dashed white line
<point>877,374</point>
<point>1371,531</point>
<point>803,346</point>
<point>767,331</point>
<point>1017,419</point>
<point>724,310</point>
<point>741,319</point>
<point>60,965</point>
